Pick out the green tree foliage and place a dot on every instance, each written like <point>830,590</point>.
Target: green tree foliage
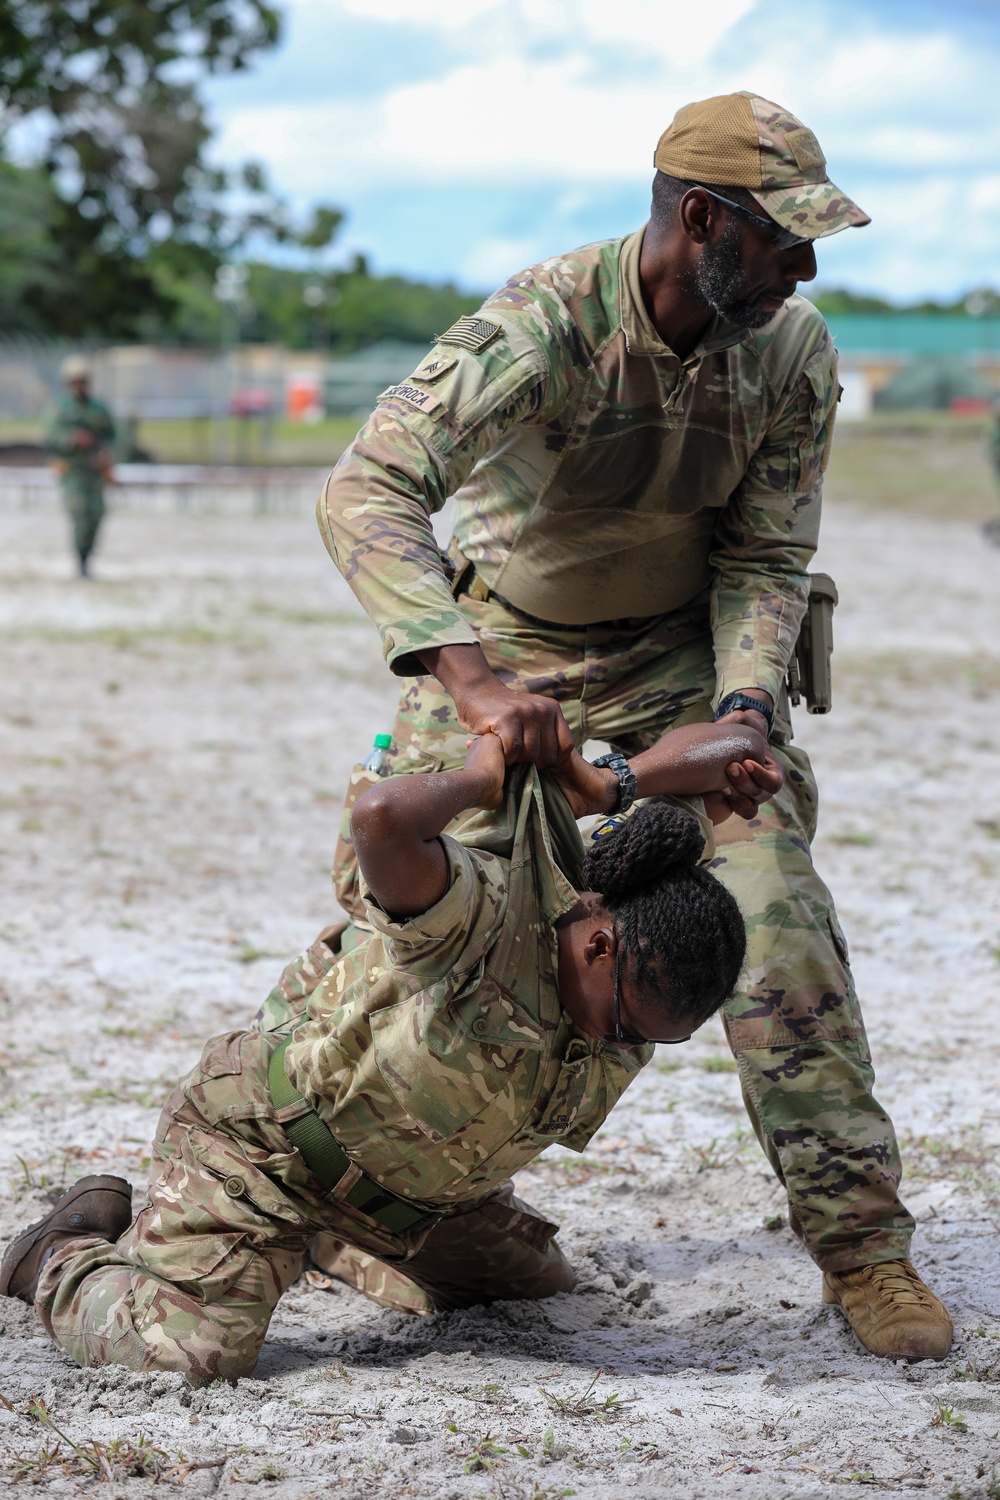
<point>111,86</point>
<point>357,309</point>
<point>123,205</point>
<point>833,300</point>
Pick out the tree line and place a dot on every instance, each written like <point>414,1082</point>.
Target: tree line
<point>113,225</point>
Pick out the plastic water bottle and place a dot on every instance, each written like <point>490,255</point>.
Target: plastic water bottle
<point>378,761</point>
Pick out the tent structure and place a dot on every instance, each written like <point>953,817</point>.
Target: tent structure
<point>934,384</point>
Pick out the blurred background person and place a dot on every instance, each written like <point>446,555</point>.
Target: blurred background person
<point>80,436</point>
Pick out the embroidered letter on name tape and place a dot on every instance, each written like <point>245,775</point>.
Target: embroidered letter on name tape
<point>413,396</point>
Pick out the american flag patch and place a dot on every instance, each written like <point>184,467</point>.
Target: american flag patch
<point>472,333</point>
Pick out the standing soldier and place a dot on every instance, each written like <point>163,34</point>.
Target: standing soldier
<point>80,436</point>
<point>991,529</point>
<point>634,435</point>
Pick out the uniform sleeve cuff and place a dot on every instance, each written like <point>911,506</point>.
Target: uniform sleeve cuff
<point>746,678</point>
<point>401,640</point>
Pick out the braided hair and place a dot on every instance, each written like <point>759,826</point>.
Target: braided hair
<point>681,932</point>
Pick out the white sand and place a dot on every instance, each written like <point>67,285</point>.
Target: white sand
<point>175,740</point>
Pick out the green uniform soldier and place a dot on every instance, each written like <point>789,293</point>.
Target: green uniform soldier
<point>80,435</point>
<point>633,436</point>
<point>503,1001</point>
<point>991,529</point>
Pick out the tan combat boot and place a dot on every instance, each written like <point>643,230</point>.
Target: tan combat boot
<point>891,1311</point>
<point>94,1206</point>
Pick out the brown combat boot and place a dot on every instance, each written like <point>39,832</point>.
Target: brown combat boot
<point>891,1311</point>
<point>100,1206</point>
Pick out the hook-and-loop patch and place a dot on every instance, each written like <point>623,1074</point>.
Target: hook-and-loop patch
<point>475,334</point>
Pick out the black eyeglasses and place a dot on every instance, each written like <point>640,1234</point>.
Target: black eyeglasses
<point>781,239</point>
<point>624,1038</point>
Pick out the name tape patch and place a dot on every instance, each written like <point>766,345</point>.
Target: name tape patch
<point>472,333</point>
<point>413,396</point>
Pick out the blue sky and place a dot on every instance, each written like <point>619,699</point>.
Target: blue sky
<point>468,138</point>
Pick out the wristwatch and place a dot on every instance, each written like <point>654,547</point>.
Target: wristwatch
<point>628,785</point>
<point>732,701</point>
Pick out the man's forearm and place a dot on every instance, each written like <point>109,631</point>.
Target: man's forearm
<point>459,669</point>
<point>531,727</point>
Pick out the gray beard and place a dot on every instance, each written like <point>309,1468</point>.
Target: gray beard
<point>719,279</point>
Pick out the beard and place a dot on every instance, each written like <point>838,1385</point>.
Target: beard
<point>719,279</point>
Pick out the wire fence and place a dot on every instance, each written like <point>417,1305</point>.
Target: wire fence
<point>143,382</point>
<point>162,489</point>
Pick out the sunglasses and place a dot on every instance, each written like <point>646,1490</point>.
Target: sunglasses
<point>781,239</point>
<point>625,1038</point>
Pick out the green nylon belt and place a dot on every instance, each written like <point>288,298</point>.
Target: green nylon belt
<point>327,1161</point>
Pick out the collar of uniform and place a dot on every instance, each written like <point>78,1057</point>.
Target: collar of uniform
<point>556,895</point>
<point>640,335</point>
<point>521,832</point>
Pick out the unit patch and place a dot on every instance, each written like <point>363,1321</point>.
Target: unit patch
<point>413,396</point>
<point>472,333</point>
<point>806,149</point>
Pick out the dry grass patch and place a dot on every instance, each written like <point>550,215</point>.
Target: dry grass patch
<point>936,466</point>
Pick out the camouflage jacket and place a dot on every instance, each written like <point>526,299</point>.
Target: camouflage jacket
<point>66,416</point>
<point>595,475</point>
<point>438,1052</point>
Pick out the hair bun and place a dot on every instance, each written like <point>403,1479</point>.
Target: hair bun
<point>658,838</point>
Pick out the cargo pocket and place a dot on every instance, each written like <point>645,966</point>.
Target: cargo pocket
<point>191,1234</point>
<point>230,1081</point>
<point>860,1036</point>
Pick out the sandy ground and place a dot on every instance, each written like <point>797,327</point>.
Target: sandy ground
<point>175,739</point>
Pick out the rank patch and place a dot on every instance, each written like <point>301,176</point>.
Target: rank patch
<point>472,333</point>
<point>434,365</point>
<point>413,396</point>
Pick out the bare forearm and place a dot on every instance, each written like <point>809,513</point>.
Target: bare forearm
<point>396,826</point>
<point>694,759</point>
<point>414,808</point>
<point>459,669</point>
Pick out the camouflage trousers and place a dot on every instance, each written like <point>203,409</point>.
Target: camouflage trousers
<point>230,1210</point>
<point>795,1026</point>
<point>83,497</point>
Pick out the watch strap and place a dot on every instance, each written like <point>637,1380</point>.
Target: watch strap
<point>733,701</point>
<point>628,785</point>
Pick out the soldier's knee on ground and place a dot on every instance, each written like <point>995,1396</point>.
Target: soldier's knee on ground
<point>498,1250</point>
<point>501,1250</point>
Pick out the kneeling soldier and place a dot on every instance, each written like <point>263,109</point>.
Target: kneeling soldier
<point>512,988</point>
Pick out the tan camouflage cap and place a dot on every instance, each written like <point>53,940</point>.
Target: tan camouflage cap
<point>74,367</point>
<point>742,140</point>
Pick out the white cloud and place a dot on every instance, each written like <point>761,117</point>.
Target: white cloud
<point>514,114</point>
<point>571,95</point>
<point>443,15</point>
<point>681,33</point>
<point>495,258</point>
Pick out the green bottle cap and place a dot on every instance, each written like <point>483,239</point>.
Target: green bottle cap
<point>383,741</point>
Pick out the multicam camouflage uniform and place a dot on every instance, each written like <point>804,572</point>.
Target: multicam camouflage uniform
<point>631,536</point>
<point>82,471</point>
<point>441,1058</point>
